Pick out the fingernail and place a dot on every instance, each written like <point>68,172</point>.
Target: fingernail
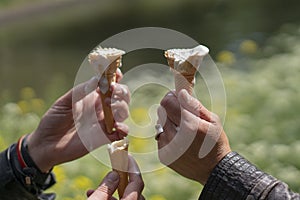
<point>112,85</point>
<point>113,176</point>
<point>103,85</point>
<point>170,94</point>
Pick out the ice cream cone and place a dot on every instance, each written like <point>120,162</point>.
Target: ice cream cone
<point>106,79</point>
<point>118,153</point>
<point>185,63</point>
<point>106,62</point>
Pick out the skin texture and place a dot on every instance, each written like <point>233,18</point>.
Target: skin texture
<point>193,142</point>
<point>56,139</point>
<point>110,183</point>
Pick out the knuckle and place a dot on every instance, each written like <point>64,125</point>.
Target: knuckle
<point>189,126</point>
<point>198,107</point>
<point>169,100</point>
<point>141,183</point>
<point>165,101</point>
<point>126,88</point>
<point>215,118</point>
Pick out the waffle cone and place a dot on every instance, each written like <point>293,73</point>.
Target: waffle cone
<point>183,80</point>
<point>108,77</point>
<point>118,153</point>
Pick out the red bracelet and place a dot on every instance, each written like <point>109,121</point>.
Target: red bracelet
<point>19,154</point>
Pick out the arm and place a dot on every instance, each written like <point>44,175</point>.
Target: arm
<point>26,166</point>
<point>236,178</point>
<point>195,145</point>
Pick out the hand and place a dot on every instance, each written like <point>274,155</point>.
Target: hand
<point>110,183</point>
<point>194,141</point>
<point>74,120</point>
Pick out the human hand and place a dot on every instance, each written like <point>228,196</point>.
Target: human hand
<point>57,139</point>
<point>193,142</point>
<point>110,183</point>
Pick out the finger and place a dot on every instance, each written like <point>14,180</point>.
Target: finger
<point>193,105</point>
<point>90,125</point>
<point>120,110</point>
<point>89,106</point>
<point>136,183</point>
<point>121,128</point>
<point>78,92</point>
<point>119,75</point>
<point>120,132</point>
<point>182,140</point>
<point>134,172</point>
<point>172,107</point>
<point>168,126</point>
<point>120,91</point>
<point>167,136</point>
<point>191,124</point>
<point>107,187</point>
<point>142,197</point>
<point>98,104</point>
<point>165,150</point>
<point>162,115</point>
<point>89,193</point>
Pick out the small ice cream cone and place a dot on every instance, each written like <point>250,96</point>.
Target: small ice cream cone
<point>106,62</point>
<point>118,153</point>
<point>185,63</point>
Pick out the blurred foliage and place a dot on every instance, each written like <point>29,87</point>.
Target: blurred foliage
<point>255,43</point>
<point>53,42</point>
<point>263,108</point>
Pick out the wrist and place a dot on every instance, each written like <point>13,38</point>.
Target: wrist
<point>211,162</point>
<point>26,171</point>
<point>37,153</point>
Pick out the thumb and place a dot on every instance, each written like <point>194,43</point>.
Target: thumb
<point>78,92</point>
<point>107,187</point>
<point>194,106</point>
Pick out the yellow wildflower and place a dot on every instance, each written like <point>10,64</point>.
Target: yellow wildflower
<point>248,47</point>
<point>27,93</point>
<point>140,115</point>
<point>24,106</point>
<point>226,57</point>
<point>83,183</point>
<point>37,105</point>
<point>138,144</point>
<point>59,173</point>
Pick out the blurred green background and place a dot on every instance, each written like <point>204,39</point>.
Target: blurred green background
<point>256,45</point>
